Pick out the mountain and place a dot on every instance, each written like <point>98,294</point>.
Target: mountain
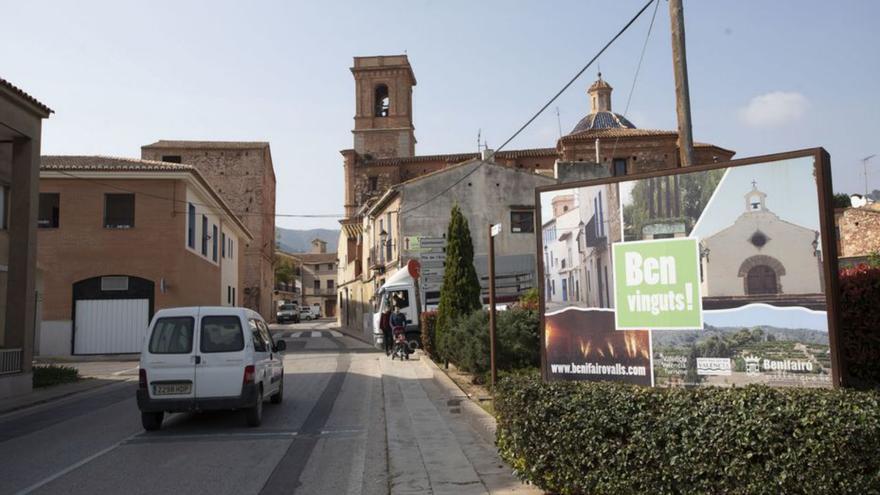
<point>300,241</point>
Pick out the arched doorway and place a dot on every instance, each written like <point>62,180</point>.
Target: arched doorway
<point>761,279</point>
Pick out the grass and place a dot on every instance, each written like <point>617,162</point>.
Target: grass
<point>53,374</point>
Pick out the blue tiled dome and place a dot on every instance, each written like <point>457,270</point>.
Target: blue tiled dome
<point>602,120</point>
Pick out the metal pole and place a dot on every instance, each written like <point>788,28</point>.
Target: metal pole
<point>492,306</point>
<point>682,93</point>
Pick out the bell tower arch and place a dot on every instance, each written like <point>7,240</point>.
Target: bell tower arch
<point>383,125</point>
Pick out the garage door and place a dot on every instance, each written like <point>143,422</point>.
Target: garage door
<point>110,326</point>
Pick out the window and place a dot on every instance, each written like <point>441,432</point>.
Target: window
<point>330,284</point>
<point>257,337</point>
<point>114,283</point>
<point>234,300</point>
<point>230,247</point>
<point>191,226</point>
<point>317,285</point>
<point>221,334</point>
<point>118,211</point>
<point>522,222</point>
<point>49,211</point>
<point>172,336</point>
<point>214,243</point>
<point>374,183</point>
<point>4,207</point>
<point>229,294</point>
<point>382,101</point>
<point>619,165</point>
<point>204,235</point>
<point>171,158</point>
<point>267,336</point>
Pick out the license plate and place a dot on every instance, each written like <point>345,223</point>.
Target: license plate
<point>172,388</point>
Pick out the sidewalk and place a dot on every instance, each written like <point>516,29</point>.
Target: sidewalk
<point>438,440</point>
<point>95,373</point>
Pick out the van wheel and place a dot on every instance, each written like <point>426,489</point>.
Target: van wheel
<point>152,421</point>
<point>279,395</point>
<point>254,415</point>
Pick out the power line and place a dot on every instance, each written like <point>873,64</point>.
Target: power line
<point>632,88</point>
<point>576,76</point>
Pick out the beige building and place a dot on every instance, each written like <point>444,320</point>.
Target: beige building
<point>21,121</point>
<point>745,259</point>
<point>318,278</point>
<point>119,239</point>
<point>243,175</point>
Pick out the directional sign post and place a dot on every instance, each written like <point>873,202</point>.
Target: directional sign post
<point>494,230</point>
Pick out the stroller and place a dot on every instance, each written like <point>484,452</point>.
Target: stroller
<point>401,346</point>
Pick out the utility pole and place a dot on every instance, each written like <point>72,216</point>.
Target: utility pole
<point>682,93</point>
<point>493,231</point>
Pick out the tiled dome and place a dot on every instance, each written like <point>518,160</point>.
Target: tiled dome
<point>602,120</point>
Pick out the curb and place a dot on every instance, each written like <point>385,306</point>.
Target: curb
<point>353,335</point>
<point>483,422</point>
<point>98,385</point>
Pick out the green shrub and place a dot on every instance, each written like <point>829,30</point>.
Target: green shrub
<point>859,336</point>
<point>517,341</point>
<point>597,438</point>
<point>428,323</point>
<point>53,374</point>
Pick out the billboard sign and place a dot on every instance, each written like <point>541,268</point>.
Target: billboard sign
<point>717,274</point>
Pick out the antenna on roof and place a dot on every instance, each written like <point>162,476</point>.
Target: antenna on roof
<point>559,122</point>
<point>479,132</point>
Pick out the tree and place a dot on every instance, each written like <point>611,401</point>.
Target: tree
<point>284,271</point>
<point>841,200</point>
<point>460,293</point>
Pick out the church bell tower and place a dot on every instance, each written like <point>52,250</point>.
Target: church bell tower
<point>383,125</point>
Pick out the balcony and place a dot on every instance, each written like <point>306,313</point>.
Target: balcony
<point>320,292</point>
<point>591,235</point>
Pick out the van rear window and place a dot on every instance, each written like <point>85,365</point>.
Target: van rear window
<point>172,335</point>
<point>221,334</point>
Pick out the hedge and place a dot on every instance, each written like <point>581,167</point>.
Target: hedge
<point>860,326</point>
<point>598,438</point>
<point>53,374</point>
<point>428,324</point>
<point>517,341</point>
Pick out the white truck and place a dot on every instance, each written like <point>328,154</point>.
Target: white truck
<point>404,287</point>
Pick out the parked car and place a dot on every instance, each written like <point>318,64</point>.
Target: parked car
<point>208,358</point>
<point>306,314</point>
<point>287,312</point>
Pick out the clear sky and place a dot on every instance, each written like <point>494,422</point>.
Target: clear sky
<point>764,76</point>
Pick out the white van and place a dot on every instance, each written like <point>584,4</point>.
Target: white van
<point>403,288</point>
<point>208,358</point>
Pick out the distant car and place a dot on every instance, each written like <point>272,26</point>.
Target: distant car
<point>208,358</point>
<point>287,312</point>
<point>305,314</point>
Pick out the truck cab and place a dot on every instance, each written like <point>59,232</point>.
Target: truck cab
<point>403,287</point>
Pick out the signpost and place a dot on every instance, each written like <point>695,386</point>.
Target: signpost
<point>493,231</point>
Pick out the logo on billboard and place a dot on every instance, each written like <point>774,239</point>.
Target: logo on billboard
<point>714,366</point>
<point>657,285</point>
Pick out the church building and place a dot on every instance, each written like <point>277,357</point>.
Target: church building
<point>743,261</point>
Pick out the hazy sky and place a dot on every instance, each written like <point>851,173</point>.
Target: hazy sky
<point>764,76</point>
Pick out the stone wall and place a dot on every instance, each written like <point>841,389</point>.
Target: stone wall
<point>858,232</point>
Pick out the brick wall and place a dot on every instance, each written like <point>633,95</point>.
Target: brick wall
<point>153,249</point>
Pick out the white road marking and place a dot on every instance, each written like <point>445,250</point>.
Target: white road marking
<point>125,371</point>
<point>46,481</point>
<point>335,333</point>
<point>316,335</point>
<point>295,335</point>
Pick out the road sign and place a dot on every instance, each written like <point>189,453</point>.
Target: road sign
<point>496,229</point>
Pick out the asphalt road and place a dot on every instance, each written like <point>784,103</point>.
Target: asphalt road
<point>352,421</point>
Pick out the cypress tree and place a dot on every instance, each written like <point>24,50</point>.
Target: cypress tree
<point>460,293</point>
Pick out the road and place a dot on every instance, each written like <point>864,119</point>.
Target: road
<point>352,421</point>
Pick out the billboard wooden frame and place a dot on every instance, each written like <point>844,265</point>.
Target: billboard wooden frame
<point>822,168</point>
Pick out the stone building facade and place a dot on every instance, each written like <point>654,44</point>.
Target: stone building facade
<point>858,233</point>
<point>244,176</point>
<point>318,277</point>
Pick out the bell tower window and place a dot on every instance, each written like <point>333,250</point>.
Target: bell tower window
<point>382,101</point>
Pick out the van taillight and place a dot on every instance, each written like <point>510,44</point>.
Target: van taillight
<point>142,378</point>
<point>249,374</point>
